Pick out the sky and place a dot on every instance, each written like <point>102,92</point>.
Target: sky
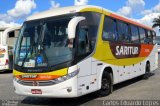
<point>14,12</point>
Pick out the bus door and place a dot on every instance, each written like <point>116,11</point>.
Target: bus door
<point>83,50</point>
<point>87,74</point>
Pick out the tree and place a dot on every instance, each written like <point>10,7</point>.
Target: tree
<point>156,22</point>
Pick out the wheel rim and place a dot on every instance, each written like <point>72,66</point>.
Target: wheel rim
<point>105,84</point>
<point>148,69</point>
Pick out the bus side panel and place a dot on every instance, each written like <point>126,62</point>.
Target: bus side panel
<point>154,59</point>
<point>92,82</point>
<point>87,84</point>
<point>100,66</point>
<point>87,78</point>
<point>84,67</point>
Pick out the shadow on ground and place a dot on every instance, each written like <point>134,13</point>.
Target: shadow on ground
<point>58,102</point>
<point>6,71</point>
<point>129,82</point>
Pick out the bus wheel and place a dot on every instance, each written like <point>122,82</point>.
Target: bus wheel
<point>106,84</point>
<point>147,71</point>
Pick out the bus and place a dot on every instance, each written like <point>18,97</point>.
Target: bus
<point>73,51</point>
<point>8,38</point>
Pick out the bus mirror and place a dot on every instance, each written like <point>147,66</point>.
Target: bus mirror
<point>72,26</point>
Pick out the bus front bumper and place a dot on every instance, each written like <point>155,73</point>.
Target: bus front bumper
<point>66,89</point>
<point>4,67</point>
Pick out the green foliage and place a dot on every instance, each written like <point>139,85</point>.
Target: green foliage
<point>156,22</point>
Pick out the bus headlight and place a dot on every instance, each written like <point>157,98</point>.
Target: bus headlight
<point>15,79</point>
<point>66,77</point>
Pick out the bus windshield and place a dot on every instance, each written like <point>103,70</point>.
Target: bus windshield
<point>43,43</point>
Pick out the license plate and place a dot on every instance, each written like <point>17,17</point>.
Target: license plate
<point>36,91</point>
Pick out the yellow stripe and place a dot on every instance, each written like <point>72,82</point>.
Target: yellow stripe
<point>125,62</point>
<point>96,10</point>
<point>106,13</point>
<point>91,9</point>
<point>60,72</point>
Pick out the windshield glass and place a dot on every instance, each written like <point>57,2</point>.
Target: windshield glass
<point>43,43</point>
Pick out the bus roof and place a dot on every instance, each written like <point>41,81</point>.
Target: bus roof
<point>2,29</point>
<point>59,11</point>
<point>75,9</point>
<point>13,27</point>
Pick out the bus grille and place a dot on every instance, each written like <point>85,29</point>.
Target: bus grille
<point>36,83</point>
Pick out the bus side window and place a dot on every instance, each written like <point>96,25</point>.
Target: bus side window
<point>92,22</point>
<point>135,34</point>
<point>109,30</point>
<point>142,35</point>
<point>123,32</point>
<point>127,33</point>
<point>83,41</point>
<point>12,37</point>
<point>154,37</point>
<point>89,29</point>
<point>148,38</point>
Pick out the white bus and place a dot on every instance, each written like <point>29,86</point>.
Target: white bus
<point>8,38</point>
<point>72,51</point>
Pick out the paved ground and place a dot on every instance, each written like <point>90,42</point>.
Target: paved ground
<point>135,89</point>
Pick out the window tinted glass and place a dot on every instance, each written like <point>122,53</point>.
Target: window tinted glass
<point>154,34</point>
<point>149,38</point>
<point>90,27</point>
<point>149,33</point>
<point>109,29</point>
<point>142,34</point>
<point>123,32</point>
<point>46,39</point>
<point>154,37</point>
<point>135,35</point>
<point>83,43</point>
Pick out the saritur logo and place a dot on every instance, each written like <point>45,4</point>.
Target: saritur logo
<point>121,50</point>
<point>126,50</point>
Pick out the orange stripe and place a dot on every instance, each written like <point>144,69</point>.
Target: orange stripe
<point>145,50</point>
<point>129,21</point>
<point>39,78</point>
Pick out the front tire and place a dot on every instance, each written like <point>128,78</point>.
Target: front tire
<point>106,84</point>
